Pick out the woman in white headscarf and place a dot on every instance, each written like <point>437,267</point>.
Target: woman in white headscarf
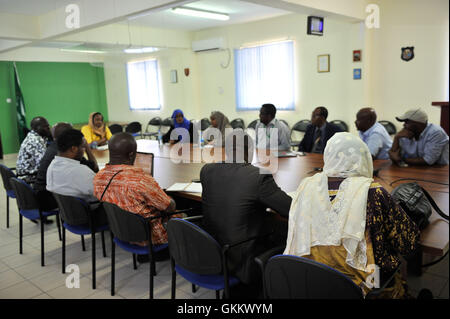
<point>342,219</point>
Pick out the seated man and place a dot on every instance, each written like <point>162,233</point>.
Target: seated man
<point>235,198</point>
<point>318,132</point>
<point>373,133</point>
<point>45,198</point>
<point>264,126</point>
<point>419,142</point>
<point>33,149</point>
<point>65,174</point>
<point>132,189</point>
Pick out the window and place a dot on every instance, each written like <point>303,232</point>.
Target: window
<point>143,85</point>
<point>265,74</point>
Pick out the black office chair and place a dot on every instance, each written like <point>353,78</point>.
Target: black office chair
<point>153,126</point>
<point>198,257</point>
<point>343,126</point>
<point>166,124</point>
<point>127,227</point>
<point>205,123</point>
<point>78,218</point>
<point>134,128</point>
<point>293,277</point>
<point>252,124</point>
<point>115,128</point>
<point>300,127</point>
<point>7,173</point>
<point>389,126</point>
<point>238,123</point>
<point>28,206</point>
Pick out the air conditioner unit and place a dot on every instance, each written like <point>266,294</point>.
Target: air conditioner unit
<point>208,44</point>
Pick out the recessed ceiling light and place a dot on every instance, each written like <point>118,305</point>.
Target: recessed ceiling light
<point>201,13</point>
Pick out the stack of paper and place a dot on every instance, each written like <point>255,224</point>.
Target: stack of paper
<point>186,187</point>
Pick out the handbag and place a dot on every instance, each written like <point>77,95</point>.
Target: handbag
<point>416,202</point>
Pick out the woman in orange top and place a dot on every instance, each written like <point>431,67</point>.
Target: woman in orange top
<point>96,132</point>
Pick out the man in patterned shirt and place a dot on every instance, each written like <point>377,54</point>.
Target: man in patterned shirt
<point>33,149</point>
<point>132,189</point>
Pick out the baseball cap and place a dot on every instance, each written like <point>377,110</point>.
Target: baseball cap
<point>416,115</point>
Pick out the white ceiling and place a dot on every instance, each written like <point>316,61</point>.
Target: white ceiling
<point>32,7</point>
<point>239,12</point>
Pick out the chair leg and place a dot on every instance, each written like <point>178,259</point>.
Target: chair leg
<point>93,260</point>
<point>174,277</point>
<point>134,262</point>
<point>63,262</point>
<point>58,224</point>
<point>113,260</point>
<point>217,294</point>
<point>20,233</point>
<point>152,269</point>
<point>83,246</point>
<point>194,289</point>
<point>7,211</point>
<point>103,244</point>
<point>42,243</point>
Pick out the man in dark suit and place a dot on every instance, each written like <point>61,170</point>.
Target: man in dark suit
<point>235,198</point>
<point>318,132</point>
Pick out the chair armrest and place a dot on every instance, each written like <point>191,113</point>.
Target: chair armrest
<point>193,218</point>
<point>377,291</point>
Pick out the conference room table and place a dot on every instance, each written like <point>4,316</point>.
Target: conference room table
<point>183,163</point>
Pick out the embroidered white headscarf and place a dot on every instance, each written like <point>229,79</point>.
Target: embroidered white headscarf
<point>315,221</point>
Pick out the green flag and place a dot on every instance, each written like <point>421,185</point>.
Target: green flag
<point>20,107</point>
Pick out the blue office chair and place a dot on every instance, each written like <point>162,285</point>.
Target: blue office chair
<point>6,175</point>
<point>78,218</point>
<point>127,227</point>
<point>198,257</point>
<point>29,208</point>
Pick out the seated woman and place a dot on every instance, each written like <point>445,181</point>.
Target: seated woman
<point>179,121</point>
<point>96,132</point>
<point>219,122</point>
<point>342,219</point>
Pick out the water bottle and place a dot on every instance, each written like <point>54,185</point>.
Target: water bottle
<point>94,145</point>
<point>160,138</point>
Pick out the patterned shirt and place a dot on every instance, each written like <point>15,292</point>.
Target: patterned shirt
<point>378,141</point>
<point>30,154</point>
<point>136,192</point>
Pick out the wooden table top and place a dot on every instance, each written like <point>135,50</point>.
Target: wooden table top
<point>290,171</point>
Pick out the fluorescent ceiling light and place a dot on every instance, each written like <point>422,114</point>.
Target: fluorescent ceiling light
<point>141,50</point>
<point>201,13</point>
<point>82,51</point>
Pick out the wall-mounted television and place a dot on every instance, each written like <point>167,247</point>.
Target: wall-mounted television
<point>315,25</point>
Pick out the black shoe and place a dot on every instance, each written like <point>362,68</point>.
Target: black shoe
<point>425,294</point>
<point>143,259</point>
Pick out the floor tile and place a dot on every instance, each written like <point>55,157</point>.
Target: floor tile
<point>10,278</point>
<point>23,290</point>
<point>429,281</point>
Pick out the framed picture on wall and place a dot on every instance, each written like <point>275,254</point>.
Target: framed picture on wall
<point>357,56</point>
<point>323,63</point>
<point>357,74</point>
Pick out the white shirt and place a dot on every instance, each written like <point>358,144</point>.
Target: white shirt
<point>69,177</point>
<point>263,133</point>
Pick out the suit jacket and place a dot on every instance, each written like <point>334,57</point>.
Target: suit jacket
<point>234,200</point>
<point>307,143</point>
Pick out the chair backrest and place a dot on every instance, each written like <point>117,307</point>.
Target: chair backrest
<point>153,125</point>
<point>166,124</point>
<point>205,123</point>
<point>115,128</point>
<point>285,123</point>
<point>133,127</point>
<point>73,211</point>
<point>237,123</point>
<point>126,226</point>
<point>6,173</point>
<point>26,198</point>
<point>301,126</point>
<point>252,124</point>
<point>301,278</point>
<point>193,249</point>
<point>341,124</point>
<point>389,126</point>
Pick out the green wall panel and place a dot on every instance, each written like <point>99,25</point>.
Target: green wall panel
<point>8,118</point>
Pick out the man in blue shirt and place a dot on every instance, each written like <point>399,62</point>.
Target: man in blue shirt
<point>419,142</point>
<point>373,133</point>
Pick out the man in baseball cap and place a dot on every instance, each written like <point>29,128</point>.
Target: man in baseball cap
<point>419,142</point>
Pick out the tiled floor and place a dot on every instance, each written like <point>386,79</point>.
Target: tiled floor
<point>21,276</point>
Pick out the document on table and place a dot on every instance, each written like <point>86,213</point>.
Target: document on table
<point>103,147</point>
<point>186,187</point>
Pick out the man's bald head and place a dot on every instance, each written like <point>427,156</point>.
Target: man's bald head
<point>40,125</point>
<point>365,119</point>
<point>122,149</point>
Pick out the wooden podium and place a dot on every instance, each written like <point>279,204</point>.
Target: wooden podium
<point>444,114</point>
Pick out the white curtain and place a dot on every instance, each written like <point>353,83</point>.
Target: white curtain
<point>265,74</point>
<point>143,85</point>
